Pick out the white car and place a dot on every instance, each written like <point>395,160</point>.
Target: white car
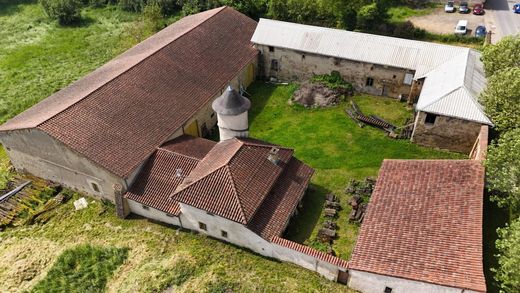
<point>462,27</point>
<point>449,7</point>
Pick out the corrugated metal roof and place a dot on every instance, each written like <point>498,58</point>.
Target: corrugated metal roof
<point>454,75</point>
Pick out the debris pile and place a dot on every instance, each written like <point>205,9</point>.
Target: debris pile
<point>312,95</point>
<point>392,131</point>
<point>360,191</point>
<point>328,232</point>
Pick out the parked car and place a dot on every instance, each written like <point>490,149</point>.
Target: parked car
<point>516,8</point>
<point>449,7</point>
<point>464,7</point>
<point>478,9</point>
<point>462,27</point>
<point>480,31</point>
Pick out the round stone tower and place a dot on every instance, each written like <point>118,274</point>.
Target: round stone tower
<point>231,109</point>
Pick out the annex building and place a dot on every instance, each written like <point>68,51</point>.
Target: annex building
<point>132,132</point>
<point>443,82</point>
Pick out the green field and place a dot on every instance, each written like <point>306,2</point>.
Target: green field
<point>336,147</point>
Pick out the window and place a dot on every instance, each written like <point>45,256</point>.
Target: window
<point>370,81</point>
<point>145,207</point>
<point>274,65</point>
<point>169,215</point>
<point>212,114</point>
<point>94,186</point>
<point>223,233</point>
<point>303,57</point>
<point>388,290</point>
<point>430,119</point>
<point>271,49</point>
<point>203,226</point>
<point>394,76</point>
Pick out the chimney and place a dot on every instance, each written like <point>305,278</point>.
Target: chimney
<point>273,155</point>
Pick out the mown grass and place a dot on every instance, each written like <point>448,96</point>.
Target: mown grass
<point>85,268</point>
<point>159,257</point>
<point>337,148</point>
<point>403,13</point>
<point>38,57</point>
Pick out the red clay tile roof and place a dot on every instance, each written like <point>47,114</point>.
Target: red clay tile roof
<point>119,114</point>
<point>158,178</point>
<point>274,214</point>
<point>424,222</point>
<point>310,251</point>
<point>233,179</point>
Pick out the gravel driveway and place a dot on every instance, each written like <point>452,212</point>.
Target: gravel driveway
<point>444,23</point>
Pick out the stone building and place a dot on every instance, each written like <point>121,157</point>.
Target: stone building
<point>443,81</point>
<point>423,229</point>
<point>96,134</point>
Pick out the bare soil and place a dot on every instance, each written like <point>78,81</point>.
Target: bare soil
<point>441,22</point>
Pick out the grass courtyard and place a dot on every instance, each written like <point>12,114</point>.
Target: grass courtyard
<point>336,147</point>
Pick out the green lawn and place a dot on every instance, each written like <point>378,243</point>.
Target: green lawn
<point>336,147</point>
<point>402,13</point>
<point>38,57</point>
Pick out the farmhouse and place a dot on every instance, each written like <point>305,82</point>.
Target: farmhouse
<point>131,132</point>
<point>443,81</point>
<point>423,229</point>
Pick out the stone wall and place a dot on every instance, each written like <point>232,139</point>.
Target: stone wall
<point>446,133</point>
<point>298,66</point>
<point>373,283</point>
<point>35,152</point>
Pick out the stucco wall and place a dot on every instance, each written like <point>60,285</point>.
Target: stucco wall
<point>374,283</point>
<point>325,269</point>
<point>446,133</point>
<point>35,152</point>
<point>237,233</point>
<point>151,213</point>
<point>299,66</point>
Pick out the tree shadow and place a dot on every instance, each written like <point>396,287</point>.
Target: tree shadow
<point>301,226</point>
<point>494,218</point>
<point>83,21</point>
<point>8,7</point>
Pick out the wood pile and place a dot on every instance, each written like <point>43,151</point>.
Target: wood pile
<point>328,232</point>
<point>360,191</point>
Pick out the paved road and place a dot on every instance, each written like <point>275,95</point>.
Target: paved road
<point>503,21</point>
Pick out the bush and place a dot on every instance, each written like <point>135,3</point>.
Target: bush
<point>132,5</point>
<point>508,245</point>
<point>335,81</point>
<point>367,17</point>
<point>64,11</point>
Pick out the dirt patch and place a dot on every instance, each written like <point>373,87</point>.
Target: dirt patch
<point>315,95</point>
<point>440,22</point>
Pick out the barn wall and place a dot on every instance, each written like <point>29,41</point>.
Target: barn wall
<point>238,234</point>
<point>374,283</point>
<point>327,270</point>
<point>446,133</point>
<point>35,152</point>
<point>299,66</point>
<point>151,213</point>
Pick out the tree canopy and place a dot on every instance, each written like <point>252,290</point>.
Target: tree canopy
<point>505,54</point>
<point>501,98</point>
<point>508,245</point>
<point>503,169</point>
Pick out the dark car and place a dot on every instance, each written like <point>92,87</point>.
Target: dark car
<point>516,8</point>
<point>478,9</point>
<point>480,31</point>
<point>464,7</point>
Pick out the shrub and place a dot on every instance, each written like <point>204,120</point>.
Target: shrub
<point>368,16</point>
<point>132,5</point>
<point>64,11</point>
<point>335,81</point>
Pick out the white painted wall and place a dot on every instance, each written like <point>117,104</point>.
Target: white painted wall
<point>233,125</point>
<point>151,213</point>
<point>237,233</point>
<point>325,269</point>
<point>374,283</point>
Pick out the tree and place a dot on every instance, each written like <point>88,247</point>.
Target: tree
<point>505,54</point>
<point>501,98</point>
<point>368,16</point>
<point>503,170</point>
<point>65,11</point>
<point>508,246</point>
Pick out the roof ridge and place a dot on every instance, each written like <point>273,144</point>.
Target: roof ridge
<point>220,9</point>
<point>466,52</point>
<point>233,186</point>
<point>176,153</point>
<point>440,98</point>
<point>265,145</point>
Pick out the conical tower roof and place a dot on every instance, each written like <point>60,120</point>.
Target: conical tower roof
<point>231,103</point>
